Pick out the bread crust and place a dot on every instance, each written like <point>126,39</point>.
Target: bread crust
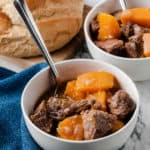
<point>5,23</point>
<point>58,21</point>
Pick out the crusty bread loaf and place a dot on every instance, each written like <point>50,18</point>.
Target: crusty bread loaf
<point>58,21</point>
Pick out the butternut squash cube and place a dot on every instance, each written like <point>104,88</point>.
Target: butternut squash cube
<point>140,16</point>
<point>72,92</point>
<point>94,81</point>
<point>109,27</point>
<point>101,97</point>
<point>71,128</point>
<point>146,39</point>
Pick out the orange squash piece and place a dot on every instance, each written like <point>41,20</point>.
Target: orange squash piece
<point>146,39</point>
<point>71,128</point>
<point>117,125</point>
<point>101,97</point>
<point>109,27</point>
<point>94,81</point>
<point>72,92</point>
<point>140,16</point>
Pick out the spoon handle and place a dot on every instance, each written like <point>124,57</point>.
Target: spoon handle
<point>123,4</point>
<point>26,16</point>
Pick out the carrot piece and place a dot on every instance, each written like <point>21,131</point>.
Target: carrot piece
<point>117,125</point>
<point>94,81</point>
<point>72,92</point>
<point>146,39</point>
<point>109,27</point>
<point>71,128</point>
<point>140,16</point>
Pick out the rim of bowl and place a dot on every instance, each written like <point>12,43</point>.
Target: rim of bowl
<point>26,117</point>
<point>86,30</point>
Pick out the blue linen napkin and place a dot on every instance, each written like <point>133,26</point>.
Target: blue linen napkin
<point>13,132</point>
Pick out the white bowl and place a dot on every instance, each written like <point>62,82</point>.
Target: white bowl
<point>70,70</point>
<point>137,68</point>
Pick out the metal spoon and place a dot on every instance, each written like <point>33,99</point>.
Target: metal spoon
<point>26,16</point>
<point>123,4</point>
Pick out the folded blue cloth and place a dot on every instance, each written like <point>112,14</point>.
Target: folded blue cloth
<point>13,132</point>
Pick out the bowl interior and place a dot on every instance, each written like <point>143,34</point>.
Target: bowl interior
<point>70,70</point>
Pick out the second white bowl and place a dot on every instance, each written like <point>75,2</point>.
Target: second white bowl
<point>137,68</point>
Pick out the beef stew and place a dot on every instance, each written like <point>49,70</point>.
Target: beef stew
<point>103,108</point>
<point>123,33</point>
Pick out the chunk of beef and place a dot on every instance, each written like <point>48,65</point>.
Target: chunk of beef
<point>59,108</point>
<point>79,106</point>
<point>134,47</point>
<point>131,50</point>
<point>97,123</point>
<point>136,39</point>
<point>127,30</point>
<point>113,46</point>
<point>56,107</point>
<point>40,118</point>
<point>121,104</point>
<point>138,30</point>
<point>94,26</point>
